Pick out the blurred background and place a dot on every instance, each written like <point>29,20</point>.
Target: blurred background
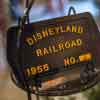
<point>11,10</point>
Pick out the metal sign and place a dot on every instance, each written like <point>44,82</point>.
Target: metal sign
<point>60,55</point>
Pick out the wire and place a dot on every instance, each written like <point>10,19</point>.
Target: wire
<point>29,96</point>
<point>22,22</point>
<point>27,3</point>
<point>71,9</point>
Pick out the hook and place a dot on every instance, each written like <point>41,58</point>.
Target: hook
<point>71,9</point>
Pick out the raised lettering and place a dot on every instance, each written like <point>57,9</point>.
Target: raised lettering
<point>67,45</point>
<point>45,51</point>
<point>45,33</point>
<point>61,47</point>
<point>51,31</point>
<point>39,52</point>
<point>30,41</point>
<point>79,42</point>
<point>74,28</point>
<point>39,36</point>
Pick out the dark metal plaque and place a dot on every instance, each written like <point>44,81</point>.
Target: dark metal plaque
<point>61,55</point>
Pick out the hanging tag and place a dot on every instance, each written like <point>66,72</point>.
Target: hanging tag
<point>61,53</point>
